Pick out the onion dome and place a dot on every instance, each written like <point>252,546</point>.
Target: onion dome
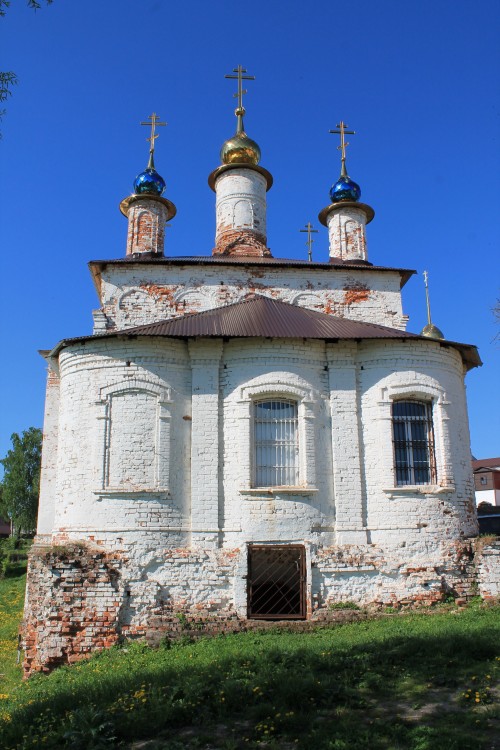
<point>431,331</point>
<point>149,182</point>
<point>240,149</point>
<point>345,189</point>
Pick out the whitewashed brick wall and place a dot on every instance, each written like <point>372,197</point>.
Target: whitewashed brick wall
<point>137,294</point>
<point>171,516</point>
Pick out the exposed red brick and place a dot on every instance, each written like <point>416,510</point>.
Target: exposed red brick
<point>355,293</point>
<point>242,242</point>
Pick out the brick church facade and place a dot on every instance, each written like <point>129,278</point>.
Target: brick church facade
<point>246,437</point>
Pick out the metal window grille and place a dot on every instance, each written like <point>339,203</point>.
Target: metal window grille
<point>276,443</point>
<point>413,439</point>
<point>276,582</point>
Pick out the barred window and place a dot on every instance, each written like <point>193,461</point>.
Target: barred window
<point>276,443</point>
<point>413,442</point>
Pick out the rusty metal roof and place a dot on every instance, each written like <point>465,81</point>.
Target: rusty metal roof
<point>232,260</point>
<point>485,463</point>
<point>263,317</point>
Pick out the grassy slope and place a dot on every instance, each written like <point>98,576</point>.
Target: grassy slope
<point>412,682</point>
<point>11,607</point>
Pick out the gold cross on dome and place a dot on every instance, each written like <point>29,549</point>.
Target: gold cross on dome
<point>342,132</point>
<point>240,78</point>
<point>309,241</point>
<point>153,122</point>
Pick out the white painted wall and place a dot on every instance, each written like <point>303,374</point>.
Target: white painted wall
<point>347,233</point>
<point>488,496</point>
<point>137,294</point>
<point>240,202</point>
<point>172,512</point>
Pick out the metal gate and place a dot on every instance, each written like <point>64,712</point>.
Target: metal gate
<point>276,582</point>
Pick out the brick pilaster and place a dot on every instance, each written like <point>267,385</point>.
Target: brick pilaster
<point>346,449</point>
<point>205,363</point>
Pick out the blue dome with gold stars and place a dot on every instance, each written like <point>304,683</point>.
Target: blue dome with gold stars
<point>345,189</point>
<point>149,182</point>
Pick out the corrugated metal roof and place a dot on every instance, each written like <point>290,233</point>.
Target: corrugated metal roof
<point>148,258</point>
<point>263,317</point>
<point>241,260</point>
<point>269,318</point>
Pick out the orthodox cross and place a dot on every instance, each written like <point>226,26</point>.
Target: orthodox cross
<point>153,122</point>
<point>343,143</point>
<point>309,242</point>
<point>426,282</point>
<point>240,78</point>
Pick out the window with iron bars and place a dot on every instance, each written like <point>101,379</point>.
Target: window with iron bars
<point>276,445</point>
<point>413,439</point>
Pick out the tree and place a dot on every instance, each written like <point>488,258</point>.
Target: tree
<point>21,482</point>
<point>4,4</point>
<point>8,78</point>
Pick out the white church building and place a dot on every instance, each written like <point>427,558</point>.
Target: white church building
<point>245,437</point>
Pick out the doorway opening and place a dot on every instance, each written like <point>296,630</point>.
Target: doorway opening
<point>276,582</point>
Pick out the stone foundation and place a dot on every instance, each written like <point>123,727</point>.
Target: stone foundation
<point>82,598</point>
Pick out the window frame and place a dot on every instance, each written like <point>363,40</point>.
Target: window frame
<point>294,466</point>
<point>411,444</point>
<point>276,389</point>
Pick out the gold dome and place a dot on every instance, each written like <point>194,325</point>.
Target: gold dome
<point>240,149</point>
<point>432,332</point>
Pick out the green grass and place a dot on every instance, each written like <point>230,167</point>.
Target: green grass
<point>12,585</point>
<point>413,682</point>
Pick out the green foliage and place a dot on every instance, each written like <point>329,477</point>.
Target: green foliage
<point>34,4</point>
<point>89,729</point>
<point>13,556</point>
<point>8,78</point>
<point>344,605</point>
<point>11,611</point>
<point>21,482</point>
<point>418,682</point>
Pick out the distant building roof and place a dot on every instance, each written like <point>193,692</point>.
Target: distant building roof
<point>486,463</point>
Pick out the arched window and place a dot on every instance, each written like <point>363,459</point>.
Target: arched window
<point>276,443</point>
<point>413,439</point>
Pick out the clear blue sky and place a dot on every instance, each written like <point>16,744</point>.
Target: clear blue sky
<point>418,81</point>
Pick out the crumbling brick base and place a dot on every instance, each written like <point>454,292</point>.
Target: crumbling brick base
<point>82,598</point>
<point>73,605</point>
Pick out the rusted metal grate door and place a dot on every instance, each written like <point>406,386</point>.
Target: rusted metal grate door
<point>276,582</point>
